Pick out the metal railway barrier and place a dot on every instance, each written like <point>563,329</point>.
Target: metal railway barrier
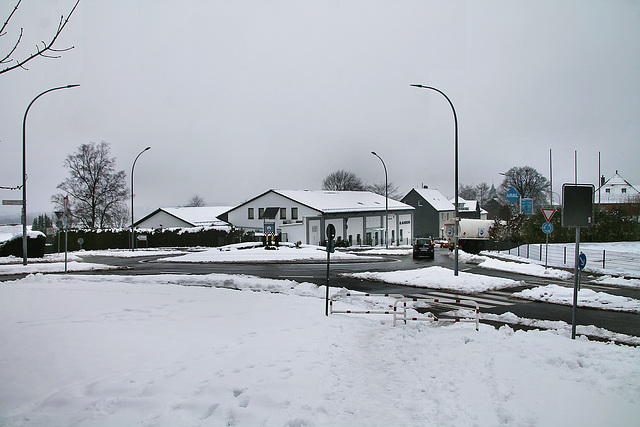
<point>402,299</point>
<point>435,318</point>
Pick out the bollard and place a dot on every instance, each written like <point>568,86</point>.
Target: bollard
<point>603,259</point>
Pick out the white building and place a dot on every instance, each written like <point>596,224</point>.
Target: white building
<point>184,217</point>
<point>616,191</point>
<point>303,215</point>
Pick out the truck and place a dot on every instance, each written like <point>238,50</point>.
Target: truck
<point>473,234</point>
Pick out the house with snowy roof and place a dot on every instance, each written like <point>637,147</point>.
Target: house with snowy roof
<point>617,192</point>
<point>303,215</point>
<point>184,217</point>
<point>469,209</point>
<point>432,209</point>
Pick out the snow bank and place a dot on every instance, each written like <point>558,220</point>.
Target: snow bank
<point>109,350</point>
<point>586,298</point>
<point>438,278</point>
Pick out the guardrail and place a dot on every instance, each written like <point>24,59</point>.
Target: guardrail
<point>435,318</point>
<point>404,300</point>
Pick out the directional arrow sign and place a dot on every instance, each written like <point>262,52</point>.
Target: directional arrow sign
<point>548,213</point>
<point>512,195</point>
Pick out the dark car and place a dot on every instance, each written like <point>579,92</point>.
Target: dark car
<point>423,246</point>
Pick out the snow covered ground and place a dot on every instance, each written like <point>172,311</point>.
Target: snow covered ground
<point>237,350</point>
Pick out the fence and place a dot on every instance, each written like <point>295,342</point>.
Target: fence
<point>404,300</point>
<point>600,259</point>
<point>436,318</point>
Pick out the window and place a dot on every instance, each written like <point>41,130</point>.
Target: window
<point>624,190</point>
<point>283,213</point>
<point>260,213</point>
<point>607,190</point>
<point>250,213</point>
<point>294,213</point>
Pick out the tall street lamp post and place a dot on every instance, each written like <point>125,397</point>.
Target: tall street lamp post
<point>457,219</point>
<point>24,171</point>
<point>386,202</point>
<point>133,232</point>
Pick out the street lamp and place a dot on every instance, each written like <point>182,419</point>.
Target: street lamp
<point>133,232</point>
<point>456,219</point>
<point>386,202</point>
<point>24,171</point>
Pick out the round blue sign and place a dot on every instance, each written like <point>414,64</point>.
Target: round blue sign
<point>547,227</point>
<point>582,260</point>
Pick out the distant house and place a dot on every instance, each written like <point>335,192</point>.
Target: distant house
<point>303,215</point>
<point>184,217</point>
<point>432,209</point>
<point>617,192</point>
<point>469,209</point>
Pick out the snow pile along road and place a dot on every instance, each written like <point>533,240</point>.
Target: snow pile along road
<point>438,278</point>
<point>586,298</point>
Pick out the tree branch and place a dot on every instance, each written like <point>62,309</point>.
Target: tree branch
<point>47,47</point>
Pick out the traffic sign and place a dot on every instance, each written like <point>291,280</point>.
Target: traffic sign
<point>331,232</point>
<point>547,227</point>
<point>548,213</point>
<point>527,206</point>
<point>270,228</point>
<point>12,202</point>
<point>512,195</point>
<point>582,260</point>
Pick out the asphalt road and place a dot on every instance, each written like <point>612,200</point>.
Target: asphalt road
<point>496,302</point>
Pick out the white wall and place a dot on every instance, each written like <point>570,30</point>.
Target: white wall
<point>162,220</point>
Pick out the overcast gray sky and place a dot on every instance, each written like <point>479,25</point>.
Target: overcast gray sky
<point>236,97</point>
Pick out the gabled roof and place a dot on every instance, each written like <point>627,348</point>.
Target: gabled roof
<point>616,190</point>
<point>333,201</point>
<point>435,199</point>
<point>201,216</point>
<point>342,201</point>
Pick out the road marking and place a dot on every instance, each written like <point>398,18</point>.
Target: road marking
<point>483,302</point>
<point>298,277</point>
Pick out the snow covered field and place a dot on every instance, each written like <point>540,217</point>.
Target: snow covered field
<point>236,350</point>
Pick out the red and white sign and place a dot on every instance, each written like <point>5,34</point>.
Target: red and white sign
<point>548,213</point>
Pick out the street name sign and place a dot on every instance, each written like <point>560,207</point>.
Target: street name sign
<point>512,195</point>
<point>12,202</point>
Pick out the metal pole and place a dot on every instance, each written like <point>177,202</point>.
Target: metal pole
<point>455,172</point>
<point>133,232</point>
<point>575,285</point>
<point>386,202</point>
<point>24,171</point>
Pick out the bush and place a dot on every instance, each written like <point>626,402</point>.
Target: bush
<point>35,246</point>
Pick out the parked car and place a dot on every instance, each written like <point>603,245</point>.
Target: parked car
<point>423,246</point>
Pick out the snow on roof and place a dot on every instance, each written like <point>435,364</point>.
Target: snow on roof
<point>616,190</point>
<point>342,201</point>
<point>199,216</point>
<point>435,199</point>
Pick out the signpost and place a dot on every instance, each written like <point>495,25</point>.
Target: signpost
<point>331,233</point>
<point>547,229</point>
<point>577,211</point>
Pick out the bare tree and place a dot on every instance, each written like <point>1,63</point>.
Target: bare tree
<point>467,192</point>
<point>482,193</point>
<point>392,191</point>
<point>97,192</point>
<point>342,180</point>
<point>195,202</point>
<point>46,50</point>
<point>528,182</point>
